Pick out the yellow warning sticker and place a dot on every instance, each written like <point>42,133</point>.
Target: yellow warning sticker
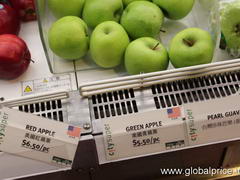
<point>45,84</point>
<point>28,89</point>
<point>45,80</point>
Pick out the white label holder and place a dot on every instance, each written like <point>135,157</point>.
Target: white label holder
<point>38,138</point>
<point>172,129</point>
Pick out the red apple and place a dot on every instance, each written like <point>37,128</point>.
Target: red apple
<point>9,21</point>
<point>14,56</point>
<point>26,9</point>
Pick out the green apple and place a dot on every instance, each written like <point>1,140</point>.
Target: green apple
<point>192,46</point>
<point>98,11</point>
<point>142,19</point>
<point>145,55</point>
<point>108,44</point>
<point>68,38</point>
<point>175,9</point>
<point>126,2</point>
<point>61,8</point>
<point>230,25</point>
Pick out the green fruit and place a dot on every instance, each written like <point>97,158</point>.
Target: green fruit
<point>175,9</point>
<point>61,8</point>
<point>142,19</point>
<point>68,38</point>
<point>191,47</point>
<point>145,55</point>
<point>108,44</point>
<point>98,11</point>
<point>230,25</point>
<point>126,2</point>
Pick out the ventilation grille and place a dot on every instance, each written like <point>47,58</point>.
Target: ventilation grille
<point>164,95</point>
<point>113,104</point>
<point>49,109</point>
<point>194,90</point>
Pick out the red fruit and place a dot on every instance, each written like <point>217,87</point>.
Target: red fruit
<point>26,9</point>
<point>9,22</point>
<point>14,56</point>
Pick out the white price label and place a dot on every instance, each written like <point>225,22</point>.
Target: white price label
<point>38,138</point>
<point>213,121</point>
<point>143,133</point>
<point>167,129</point>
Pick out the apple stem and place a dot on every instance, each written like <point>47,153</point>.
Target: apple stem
<point>155,47</point>
<point>32,61</point>
<point>161,30</point>
<point>188,42</point>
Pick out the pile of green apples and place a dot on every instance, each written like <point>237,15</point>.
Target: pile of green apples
<point>126,31</point>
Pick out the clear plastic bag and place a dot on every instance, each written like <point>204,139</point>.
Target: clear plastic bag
<point>230,42</point>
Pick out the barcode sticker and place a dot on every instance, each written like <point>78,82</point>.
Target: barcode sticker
<point>38,138</point>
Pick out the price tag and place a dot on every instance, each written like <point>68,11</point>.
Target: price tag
<point>144,133</point>
<point>38,138</point>
<point>168,129</point>
<point>213,121</point>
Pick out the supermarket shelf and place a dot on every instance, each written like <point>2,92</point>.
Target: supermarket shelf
<point>16,166</point>
<point>90,161</point>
